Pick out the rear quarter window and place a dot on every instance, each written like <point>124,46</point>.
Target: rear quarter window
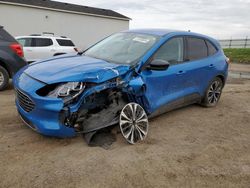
<point>25,42</point>
<point>63,42</point>
<point>196,48</point>
<point>5,36</point>
<point>211,48</point>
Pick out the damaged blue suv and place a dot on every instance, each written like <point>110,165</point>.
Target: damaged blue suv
<point>124,80</point>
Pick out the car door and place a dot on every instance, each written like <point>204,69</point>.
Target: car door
<point>197,67</point>
<point>42,48</point>
<point>164,88</point>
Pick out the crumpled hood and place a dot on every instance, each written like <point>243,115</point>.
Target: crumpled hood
<point>74,68</point>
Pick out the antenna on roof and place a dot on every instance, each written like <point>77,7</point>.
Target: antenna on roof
<point>189,30</point>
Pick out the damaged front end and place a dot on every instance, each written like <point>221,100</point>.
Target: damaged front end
<point>98,110</point>
<point>100,106</point>
<point>63,109</point>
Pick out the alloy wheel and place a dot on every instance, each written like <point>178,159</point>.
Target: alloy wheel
<point>133,123</point>
<point>214,92</point>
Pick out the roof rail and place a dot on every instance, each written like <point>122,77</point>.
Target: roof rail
<point>35,35</point>
<point>48,33</point>
<point>64,37</point>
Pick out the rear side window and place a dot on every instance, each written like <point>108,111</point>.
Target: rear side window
<point>5,36</point>
<point>171,51</point>
<point>211,49</point>
<point>25,42</point>
<point>196,48</point>
<point>63,42</point>
<point>42,42</point>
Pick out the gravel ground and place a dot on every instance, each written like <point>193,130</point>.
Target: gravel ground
<point>189,147</point>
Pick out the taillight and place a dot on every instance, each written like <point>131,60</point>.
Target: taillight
<point>17,48</point>
<point>76,49</point>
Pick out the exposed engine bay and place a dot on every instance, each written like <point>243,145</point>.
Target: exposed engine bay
<point>98,111</point>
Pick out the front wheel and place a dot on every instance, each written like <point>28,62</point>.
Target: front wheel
<point>133,123</point>
<point>4,78</point>
<point>213,93</point>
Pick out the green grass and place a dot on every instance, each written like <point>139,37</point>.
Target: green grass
<point>238,55</point>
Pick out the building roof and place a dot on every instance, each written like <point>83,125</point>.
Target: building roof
<point>67,7</point>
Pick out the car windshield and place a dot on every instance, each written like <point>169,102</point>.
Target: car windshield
<point>122,48</point>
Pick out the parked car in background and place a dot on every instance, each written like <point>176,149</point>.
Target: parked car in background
<point>11,57</point>
<point>126,78</point>
<point>37,47</point>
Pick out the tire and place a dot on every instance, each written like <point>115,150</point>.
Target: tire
<point>4,78</point>
<point>213,93</point>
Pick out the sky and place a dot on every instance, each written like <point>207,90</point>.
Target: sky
<point>222,19</point>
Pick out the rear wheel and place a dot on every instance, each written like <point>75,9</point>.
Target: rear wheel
<point>213,93</point>
<point>4,78</point>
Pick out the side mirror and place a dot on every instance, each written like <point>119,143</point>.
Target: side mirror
<point>158,64</point>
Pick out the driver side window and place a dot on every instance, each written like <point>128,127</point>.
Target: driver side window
<point>171,51</point>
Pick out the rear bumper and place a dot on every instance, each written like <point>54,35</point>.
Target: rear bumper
<point>44,118</point>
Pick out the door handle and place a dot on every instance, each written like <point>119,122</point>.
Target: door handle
<point>180,72</point>
<point>211,65</point>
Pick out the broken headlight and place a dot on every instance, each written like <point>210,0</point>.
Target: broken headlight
<point>67,91</point>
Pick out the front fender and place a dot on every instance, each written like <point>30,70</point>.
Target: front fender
<point>137,86</point>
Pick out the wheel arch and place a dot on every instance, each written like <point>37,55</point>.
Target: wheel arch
<point>3,64</point>
<point>222,77</point>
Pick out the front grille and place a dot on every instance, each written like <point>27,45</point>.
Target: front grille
<point>24,101</point>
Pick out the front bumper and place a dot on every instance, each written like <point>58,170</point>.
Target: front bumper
<point>45,116</point>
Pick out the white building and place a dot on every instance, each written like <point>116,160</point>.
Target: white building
<point>84,25</point>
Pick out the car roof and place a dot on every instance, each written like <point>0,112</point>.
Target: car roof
<point>164,32</point>
<point>158,32</point>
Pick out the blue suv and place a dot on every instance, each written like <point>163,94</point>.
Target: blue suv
<point>124,79</point>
